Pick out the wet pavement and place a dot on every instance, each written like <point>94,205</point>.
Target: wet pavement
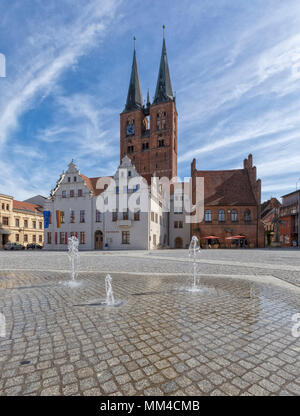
<point>232,338</point>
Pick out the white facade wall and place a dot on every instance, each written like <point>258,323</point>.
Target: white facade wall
<point>185,232</point>
<point>143,233</point>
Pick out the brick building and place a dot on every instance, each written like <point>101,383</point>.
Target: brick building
<point>290,219</point>
<point>148,134</point>
<point>269,211</point>
<point>231,207</point>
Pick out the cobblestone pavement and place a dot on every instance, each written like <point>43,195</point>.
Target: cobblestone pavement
<point>232,338</point>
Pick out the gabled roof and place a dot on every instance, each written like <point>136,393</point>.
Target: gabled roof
<point>227,187</point>
<point>27,206</point>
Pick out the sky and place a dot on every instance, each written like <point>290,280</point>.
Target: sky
<point>235,67</point>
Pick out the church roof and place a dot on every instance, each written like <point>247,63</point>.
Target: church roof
<point>163,91</point>
<point>134,96</point>
<point>227,187</point>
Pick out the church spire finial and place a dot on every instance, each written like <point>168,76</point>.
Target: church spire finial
<point>163,90</point>
<point>134,96</point>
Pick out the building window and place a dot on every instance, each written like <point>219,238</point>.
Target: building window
<point>72,193</point>
<point>40,238</point>
<point>72,216</point>
<point>62,217</point>
<point>137,216</point>
<point>17,238</point>
<point>114,216</point>
<point>69,179</point>
<point>79,192</point>
<point>156,218</point>
<point>25,238</point>
<point>49,238</point>
<point>125,215</point>
<point>3,206</point>
<point>17,222</point>
<point>221,215</point>
<point>175,224</point>
<point>61,237</point>
<point>145,146</point>
<point>82,237</point>
<point>75,178</point>
<point>130,149</point>
<point>152,216</point>
<point>64,194</point>
<point>207,216</point>
<point>98,216</point>
<point>7,207</point>
<point>161,143</point>
<point>82,215</point>
<point>161,120</point>
<point>247,215</point>
<point>25,223</point>
<point>41,225</point>
<point>34,238</point>
<point>129,173</point>
<point>180,224</point>
<point>125,237</point>
<point>117,190</point>
<point>234,215</point>
<point>5,220</point>
<point>34,224</point>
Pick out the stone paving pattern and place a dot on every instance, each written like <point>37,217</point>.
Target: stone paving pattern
<point>234,338</point>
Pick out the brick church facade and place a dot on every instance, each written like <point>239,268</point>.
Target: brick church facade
<point>148,135</point>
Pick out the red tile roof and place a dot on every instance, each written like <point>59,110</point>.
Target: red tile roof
<point>26,206</point>
<point>91,183</point>
<point>227,187</point>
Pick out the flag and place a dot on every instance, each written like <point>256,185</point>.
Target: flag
<point>46,218</point>
<point>58,218</point>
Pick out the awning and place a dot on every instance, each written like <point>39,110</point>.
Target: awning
<point>5,232</point>
<point>235,237</point>
<point>211,237</point>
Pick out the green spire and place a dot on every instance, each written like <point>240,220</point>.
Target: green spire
<point>163,87</point>
<point>134,97</point>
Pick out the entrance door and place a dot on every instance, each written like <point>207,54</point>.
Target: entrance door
<point>98,240</point>
<point>178,242</point>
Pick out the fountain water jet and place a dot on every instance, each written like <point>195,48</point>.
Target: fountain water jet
<point>110,299</point>
<point>194,249</point>
<point>73,254</point>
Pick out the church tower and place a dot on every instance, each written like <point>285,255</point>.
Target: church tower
<point>148,133</point>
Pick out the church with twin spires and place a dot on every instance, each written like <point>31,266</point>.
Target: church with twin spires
<point>148,133</point>
<point>148,147</point>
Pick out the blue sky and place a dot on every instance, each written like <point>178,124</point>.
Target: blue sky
<point>235,67</point>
